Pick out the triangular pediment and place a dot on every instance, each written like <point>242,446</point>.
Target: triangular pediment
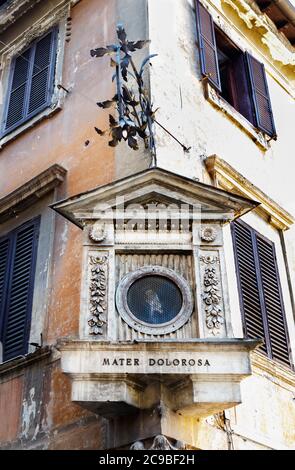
<point>154,187</point>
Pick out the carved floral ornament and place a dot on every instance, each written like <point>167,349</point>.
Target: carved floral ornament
<point>97,233</point>
<point>98,293</point>
<point>211,295</point>
<point>208,234</point>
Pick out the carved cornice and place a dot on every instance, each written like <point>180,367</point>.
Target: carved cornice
<point>14,10</point>
<point>279,47</point>
<point>30,192</point>
<point>226,177</point>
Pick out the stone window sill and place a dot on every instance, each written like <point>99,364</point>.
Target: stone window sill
<point>19,363</point>
<point>216,100</point>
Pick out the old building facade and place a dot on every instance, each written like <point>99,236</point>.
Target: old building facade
<point>148,300</point>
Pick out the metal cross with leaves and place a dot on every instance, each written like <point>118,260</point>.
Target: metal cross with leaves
<point>135,111</point>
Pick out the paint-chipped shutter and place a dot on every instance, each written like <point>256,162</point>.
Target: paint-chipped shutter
<point>273,302</point>
<point>248,281</point>
<point>18,302</point>
<point>260,291</point>
<point>207,45</point>
<point>31,82</point>
<point>260,96</point>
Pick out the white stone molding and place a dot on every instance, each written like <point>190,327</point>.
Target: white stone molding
<point>198,377</point>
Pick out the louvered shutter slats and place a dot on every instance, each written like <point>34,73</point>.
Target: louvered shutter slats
<point>32,81</point>
<point>260,95</point>
<point>250,298</point>
<point>207,45</point>
<point>260,291</point>
<point>4,260</point>
<point>41,73</point>
<point>19,297</point>
<point>16,107</point>
<point>273,301</point>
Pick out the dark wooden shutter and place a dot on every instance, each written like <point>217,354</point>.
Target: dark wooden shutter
<point>260,291</point>
<point>18,303</point>
<point>19,89</point>
<point>260,96</point>
<point>273,300</point>
<point>42,74</point>
<point>207,45</point>
<point>5,244</point>
<point>248,283</point>
<point>31,82</point>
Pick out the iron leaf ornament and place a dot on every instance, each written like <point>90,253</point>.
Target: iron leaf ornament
<point>136,116</point>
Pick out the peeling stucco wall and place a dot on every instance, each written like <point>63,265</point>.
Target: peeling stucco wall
<point>37,405</point>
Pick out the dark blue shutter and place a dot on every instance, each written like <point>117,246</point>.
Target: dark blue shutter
<point>19,90</point>
<point>248,282</point>
<point>207,46</point>
<point>19,294</point>
<point>31,82</point>
<point>260,291</point>
<point>5,246</point>
<point>273,301</point>
<point>260,96</point>
<point>41,82</point>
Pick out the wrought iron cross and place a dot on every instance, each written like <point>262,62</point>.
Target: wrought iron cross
<point>135,113</point>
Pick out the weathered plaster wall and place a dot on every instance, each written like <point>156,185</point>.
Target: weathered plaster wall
<point>37,405</point>
<point>185,111</point>
<point>62,139</point>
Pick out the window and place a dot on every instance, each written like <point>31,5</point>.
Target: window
<point>260,291</point>
<point>238,77</point>
<point>18,251</point>
<point>31,82</point>
<point>154,300</point>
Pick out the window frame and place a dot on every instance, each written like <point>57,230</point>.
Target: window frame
<point>50,86</point>
<point>253,109</point>
<point>254,235</point>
